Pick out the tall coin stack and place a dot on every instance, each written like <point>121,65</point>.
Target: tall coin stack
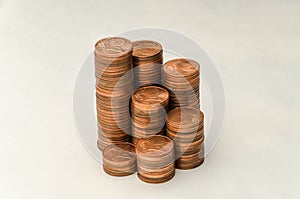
<point>185,126</point>
<point>155,159</point>
<point>114,86</point>
<point>148,111</point>
<point>147,61</point>
<point>181,78</point>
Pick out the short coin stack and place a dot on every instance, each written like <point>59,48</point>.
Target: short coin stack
<point>185,126</point>
<point>155,159</point>
<point>148,111</point>
<point>114,86</point>
<point>181,78</point>
<point>119,159</point>
<point>147,61</point>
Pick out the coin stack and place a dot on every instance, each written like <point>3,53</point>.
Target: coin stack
<point>148,111</point>
<point>147,61</point>
<point>181,78</point>
<point>185,126</point>
<point>155,159</point>
<point>119,159</point>
<point>114,86</point>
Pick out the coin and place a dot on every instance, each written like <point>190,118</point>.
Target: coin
<point>155,159</point>
<point>147,61</point>
<point>191,161</point>
<point>146,49</point>
<point>148,111</point>
<point>119,159</point>
<point>182,76</point>
<point>187,117</point>
<point>113,47</point>
<point>185,126</point>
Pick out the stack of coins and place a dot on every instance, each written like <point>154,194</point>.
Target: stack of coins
<point>147,61</point>
<point>181,78</point>
<point>185,126</point>
<point>155,159</point>
<point>114,86</point>
<point>148,111</point>
<point>119,159</point>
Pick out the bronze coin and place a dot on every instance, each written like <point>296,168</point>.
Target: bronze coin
<point>180,130</point>
<point>192,161</point>
<point>185,117</point>
<point>145,49</point>
<point>119,159</point>
<point>156,176</point>
<point>184,67</point>
<point>149,96</point>
<point>182,149</point>
<point>185,137</point>
<point>113,47</point>
<point>119,154</point>
<point>156,146</point>
<point>118,172</point>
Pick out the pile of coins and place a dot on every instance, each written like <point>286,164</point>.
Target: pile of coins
<point>155,159</point>
<point>119,159</point>
<point>185,126</point>
<point>114,86</point>
<point>147,61</point>
<point>181,78</point>
<point>148,111</point>
<point>158,127</point>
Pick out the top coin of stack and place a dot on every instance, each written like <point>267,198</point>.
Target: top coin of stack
<point>148,110</point>
<point>119,159</point>
<point>147,60</point>
<point>155,159</point>
<point>181,78</point>
<point>114,86</point>
<point>185,126</point>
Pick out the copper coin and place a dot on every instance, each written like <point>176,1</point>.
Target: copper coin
<point>145,49</point>
<point>119,154</point>
<point>185,117</point>
<point>150,95</point>
<point>156,146</point>
<point>118,172</point>
<point>119,159</point>
<point>156,175</point>
<point>186,162</point>
<point>185,137</point>
<point>189,147</point>
<point>113,47</point>
<point>184,67</point>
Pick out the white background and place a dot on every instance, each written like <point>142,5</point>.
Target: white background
<point>254,44</point>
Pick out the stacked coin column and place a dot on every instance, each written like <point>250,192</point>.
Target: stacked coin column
<point>155,159</point>
<point>148,111</point>
<point>119,159</point>
<point>147,62</point>
<point>185,126</point>
<point>114,87</point>
<point>181,78</point>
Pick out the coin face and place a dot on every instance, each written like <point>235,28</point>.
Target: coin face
<point>181,67</point>
<point>146,48</point>
<point>150,95</point>
<point>119,152</point>
<point>156,145</point>
<point>113,47</point>
<point>184,117</point>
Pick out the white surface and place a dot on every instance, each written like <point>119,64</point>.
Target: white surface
<point>255,46</point>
